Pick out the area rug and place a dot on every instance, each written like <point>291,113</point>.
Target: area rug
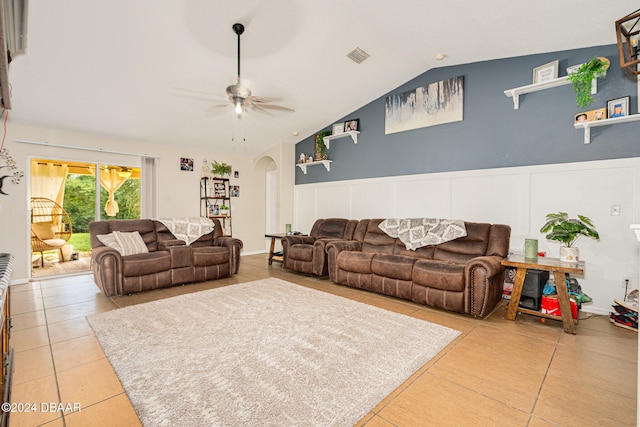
<point>267,353</point>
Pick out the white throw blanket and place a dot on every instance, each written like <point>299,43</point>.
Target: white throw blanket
<point>188,229</point>
<point>418,232</point>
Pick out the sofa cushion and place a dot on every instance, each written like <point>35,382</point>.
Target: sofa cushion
<point>144,264</point>
<point>301,252</point>
<point>109,240</point>
<point>210,255</point>
<point>447,276</point>
<point>465,248</point>
<point>356,262</point>
<point>393,266</point>
<point>377,241</point>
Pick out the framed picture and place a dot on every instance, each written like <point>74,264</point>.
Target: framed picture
<point>353,124</point>
<point>338,128</point>
<point>186,164</point>
<point>591,116</point>
<point>235,191</point>
<point>618,107</point>
<point>236,174</point>
<point>546,72</point>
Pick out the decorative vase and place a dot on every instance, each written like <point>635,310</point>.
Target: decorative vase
<point>224,212</point>
<point>568,254</point>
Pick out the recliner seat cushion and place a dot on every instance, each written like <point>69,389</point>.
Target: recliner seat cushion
<point>393,266</point>
<point>443,275</point>
<point>209,256</point>
<point>356,262</point>
<point>143,264</point>
<point>301,252</point>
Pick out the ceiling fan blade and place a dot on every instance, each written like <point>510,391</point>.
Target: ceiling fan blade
<point>273,107</point>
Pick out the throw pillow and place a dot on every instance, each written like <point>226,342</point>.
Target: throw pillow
<point>131,243</point>
<point>110,241</point>
<point>44,230</point>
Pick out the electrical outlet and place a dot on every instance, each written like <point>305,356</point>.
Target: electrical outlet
<point>626,283</point>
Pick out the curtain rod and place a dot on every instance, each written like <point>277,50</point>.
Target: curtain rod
<point>99,150</point>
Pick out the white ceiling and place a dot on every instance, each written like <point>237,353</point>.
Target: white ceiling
<point>112,67</point>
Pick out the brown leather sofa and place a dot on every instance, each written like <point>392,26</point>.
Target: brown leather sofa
<point>462,275</point>
<point>306,254</point>
<point>169,261</point>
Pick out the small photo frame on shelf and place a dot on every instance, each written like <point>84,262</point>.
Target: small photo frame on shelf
<point>591,116</point>
<point>186,164</point>
<point>353,124</point>
<point>546,72</point>
<point>618,107</point>
<point>337,129</point>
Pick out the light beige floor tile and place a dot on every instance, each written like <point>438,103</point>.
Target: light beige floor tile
<point>435,401</point>
<point>572,403</point>
<point>72,297</point>
<point>375,421</point>
<point>30,396</point>
<point>25,287</point>
<point>83,309</point>
<point>27,320</point>
<point>75,352</point>
<point>69,329</point>
<point>89,383</point>
<point>460,323</point>
<point>25,302</point>
<point>618,343</point>
<point>117,410</point>
<point>589,368</point>
<point>486,371</point>
<point>32,364</point>
<point>27,339</point>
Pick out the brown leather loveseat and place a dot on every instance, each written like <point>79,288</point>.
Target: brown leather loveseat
<point>462,275</point>
<point>306,254</point>
<point>167,260</point>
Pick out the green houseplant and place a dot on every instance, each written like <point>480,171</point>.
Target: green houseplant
<point>582,79</point>
<point>224,210</point>
<point>320,147</point>
<point>220,169</point>
<point>567,230</point>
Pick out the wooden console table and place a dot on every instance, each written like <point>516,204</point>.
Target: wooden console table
<point>558,269</point>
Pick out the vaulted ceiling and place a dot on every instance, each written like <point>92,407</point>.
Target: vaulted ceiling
<point>157,71</point>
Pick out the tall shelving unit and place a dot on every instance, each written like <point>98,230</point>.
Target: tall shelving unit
<point>214,193</point>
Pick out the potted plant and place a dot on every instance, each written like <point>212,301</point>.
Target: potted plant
<point>567,230</point>
<point>224,210</point>
<point>220,169</point>
<point>321,148</point>
<point>582,79</point>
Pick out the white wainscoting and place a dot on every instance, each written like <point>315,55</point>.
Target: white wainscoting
<point>517,196</point>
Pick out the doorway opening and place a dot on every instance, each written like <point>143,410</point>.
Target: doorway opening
<point>65,197</point>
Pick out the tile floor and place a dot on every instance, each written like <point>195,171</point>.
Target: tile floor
<point>498,372</point>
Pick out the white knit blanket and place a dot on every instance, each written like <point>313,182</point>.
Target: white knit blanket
<point>188,229</point>
<point>418,232</point>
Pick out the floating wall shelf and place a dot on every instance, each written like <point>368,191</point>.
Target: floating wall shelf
<point>352,133</point>
<point>612,121</point>
<point>535,87</point>
<point>303,166</point>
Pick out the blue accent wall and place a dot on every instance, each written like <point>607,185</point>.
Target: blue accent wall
<point>493,134</point>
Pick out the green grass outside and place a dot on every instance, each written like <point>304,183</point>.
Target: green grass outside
<point>81,242</point>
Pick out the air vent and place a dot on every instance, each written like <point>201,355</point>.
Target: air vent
<point>357,55</point>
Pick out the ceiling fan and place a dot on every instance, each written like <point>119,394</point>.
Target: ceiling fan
<point>240,95</point>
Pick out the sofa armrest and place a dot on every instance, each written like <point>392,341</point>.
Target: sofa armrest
<point>106,264</point>
<point>333,249</point>
<point>485,277</point>
<point>234,245</point>
<point>164,245</point>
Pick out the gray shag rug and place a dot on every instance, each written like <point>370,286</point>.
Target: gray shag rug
<point>268,353</point>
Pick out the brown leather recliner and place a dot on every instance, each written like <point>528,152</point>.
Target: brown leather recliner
<point>169,261</point>
<point>306,254</point>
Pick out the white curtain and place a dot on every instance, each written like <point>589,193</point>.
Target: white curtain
<point>111,181</point>
<point>48,179</point>
<point>148,187</point>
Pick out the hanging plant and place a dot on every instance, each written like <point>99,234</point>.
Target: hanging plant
<point>582,79</point>
<point>220,169</point>
<point>320,146</point>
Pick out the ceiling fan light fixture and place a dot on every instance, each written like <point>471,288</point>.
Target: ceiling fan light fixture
<point>237,101</point>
